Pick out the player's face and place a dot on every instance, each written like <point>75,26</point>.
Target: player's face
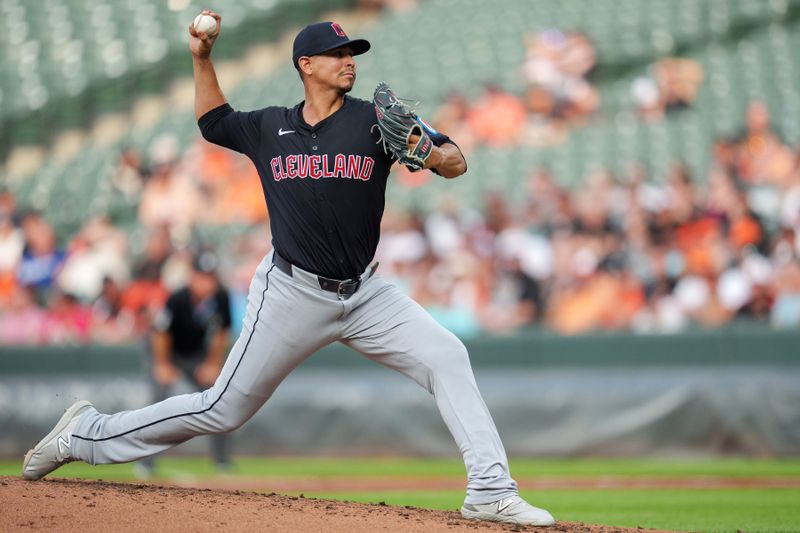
<point>203,285</point>
<point>336,67</point>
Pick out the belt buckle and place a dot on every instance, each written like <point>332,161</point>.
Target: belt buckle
<point>347,282</point>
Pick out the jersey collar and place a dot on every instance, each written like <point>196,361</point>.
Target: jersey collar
<point>297,116</point>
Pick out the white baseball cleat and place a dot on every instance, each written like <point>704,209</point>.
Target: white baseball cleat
<point>53,451</point>
<point>512,510</point>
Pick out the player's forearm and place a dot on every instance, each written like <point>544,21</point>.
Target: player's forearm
<point>447,160</point>
<point>218,347</point>
<point>161,347</point>
<point>207,92</point>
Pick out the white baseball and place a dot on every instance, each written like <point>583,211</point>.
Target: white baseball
<point>205,24</point>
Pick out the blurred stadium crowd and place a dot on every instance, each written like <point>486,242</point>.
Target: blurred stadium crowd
<point>619,252</point>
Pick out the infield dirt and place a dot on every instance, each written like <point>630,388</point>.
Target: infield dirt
<point>95,506</point>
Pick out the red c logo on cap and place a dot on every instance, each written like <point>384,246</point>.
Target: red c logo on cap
<point>338,29</point>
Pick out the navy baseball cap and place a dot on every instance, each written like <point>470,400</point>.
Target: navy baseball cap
<point>317,38</point>
<point>205,262</point>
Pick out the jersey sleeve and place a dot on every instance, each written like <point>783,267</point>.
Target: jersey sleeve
<point>237,130</point>
<point>162,322</point>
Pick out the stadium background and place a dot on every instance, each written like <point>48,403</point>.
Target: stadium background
<point>621,258</point>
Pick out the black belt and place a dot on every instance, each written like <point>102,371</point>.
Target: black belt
<point>346,287</point>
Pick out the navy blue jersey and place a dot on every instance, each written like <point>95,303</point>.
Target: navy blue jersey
<point>324,185</point>
<point>189,323</point>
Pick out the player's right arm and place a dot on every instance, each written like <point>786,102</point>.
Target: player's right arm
<point>207,92</point>
<point>218,122</point>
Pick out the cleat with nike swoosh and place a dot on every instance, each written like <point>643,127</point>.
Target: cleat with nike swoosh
<point>53,451</point>
<point>512,510</point>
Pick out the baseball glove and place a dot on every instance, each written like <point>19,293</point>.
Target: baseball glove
<point>397,122</point>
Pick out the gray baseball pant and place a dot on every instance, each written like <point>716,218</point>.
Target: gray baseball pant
<point>289,318</point>
<point>187,365</point>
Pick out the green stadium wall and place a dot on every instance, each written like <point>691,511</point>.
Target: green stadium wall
<point>706,393</point>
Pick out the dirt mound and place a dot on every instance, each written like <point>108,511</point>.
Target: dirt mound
<point>95,506</point>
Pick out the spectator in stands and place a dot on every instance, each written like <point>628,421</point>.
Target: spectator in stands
<point>111,323</point>
<point>790,202</point>
<point>239,198</point>
<point>98,251</point>
<point>681,194</point>
<point>157,248</point>
<point>146,294</point>
<point>761,157</point>
<point>647,99</point>
<point>443,228</point>
<point>22,321</point>
<point>577,61</point>
<point>679,80</point>
<point>447,290</point>
<point>541,68</point>
<point>592,202</point>
<point>556,70</point>
<point>546,204</point>
<point>144,297</point>
<point>644,256</point>
<point>759,273</point>
<point>585,305</point>
<point>67,320</point>
<point>785,247</point>
<point>8,202</point>
<point>42,259</point>
<point>12,244</point>
<point>724,154</point>
<point>405,240</point>
<point>785,312</point>
<point>169,197</point>
<point>641,254</point>
<point>516,299</point>
<point>497,117</point>
<point>671,85</point>
<point>177,269</point>
<point>744,228</point>
<point>128,176</point>
<point>452,116</point>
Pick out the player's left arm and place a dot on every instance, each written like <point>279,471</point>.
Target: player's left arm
<point>447,160</point>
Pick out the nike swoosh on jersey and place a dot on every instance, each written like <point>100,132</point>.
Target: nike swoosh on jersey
<point>282,132</point>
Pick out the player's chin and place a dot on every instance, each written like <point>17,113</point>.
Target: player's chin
<point>347,81</point>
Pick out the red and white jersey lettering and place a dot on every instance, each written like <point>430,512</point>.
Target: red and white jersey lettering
<point>324,184</point>
<point>353,167</point>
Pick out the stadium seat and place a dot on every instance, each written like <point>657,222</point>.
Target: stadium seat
<point>747,49</point>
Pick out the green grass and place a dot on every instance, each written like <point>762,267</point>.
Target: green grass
<point>348,466</point>
<point>707,510</point>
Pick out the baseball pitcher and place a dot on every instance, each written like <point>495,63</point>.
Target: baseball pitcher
<point>323,166</point>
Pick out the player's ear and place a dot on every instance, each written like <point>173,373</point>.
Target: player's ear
<point>304,65</point>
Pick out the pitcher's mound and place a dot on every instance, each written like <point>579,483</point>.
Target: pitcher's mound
<point>99,506</point>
